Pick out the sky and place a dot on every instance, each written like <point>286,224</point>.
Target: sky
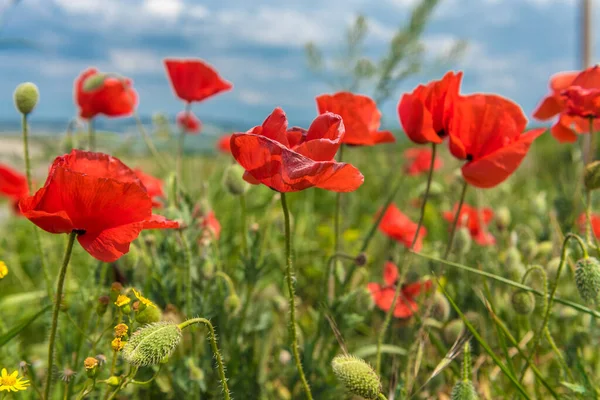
<point>514,46</point>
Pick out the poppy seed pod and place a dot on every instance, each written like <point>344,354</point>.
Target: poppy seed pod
<point>464,390</point>
<point>523,302</point>
<point>233,180</point>
<point>26,97</point>
<point>587,278</point>
<point>151,343</point>
<point>358,377</point>
<point>591,176</point>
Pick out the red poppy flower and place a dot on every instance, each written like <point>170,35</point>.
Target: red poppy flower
<point>154,186</point>
<point>189,123</point>
<point>582,97</point>
<point>360,115</point>
<point>211,223</point>
<point>98,197</point>
<point>582,222</point>
<point>383,295</point>
<point>418,161</point>
<point>195,80</point>
<point>424,113</point>
<point>296,159</point>
<point>486,131</point>
<point>476,221</point>
<point>110,95</point>
<point>400,228</point>
<point>13,185</point>
<point>224,144</point>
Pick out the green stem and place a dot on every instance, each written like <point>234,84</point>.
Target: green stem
<point>24,127</point>
<point>455,222</point>
<point>590,151</point>
<point>380,396</point>
<point>188,261</point>
<point>244,217</point>
<point>161,162</point>
<point>290,284</point>
<point>55,311</point>
<point>91,135</point>
<point>212,337</point>
<point>407,261</point>
<point>180,147</point>
<point>228,282</point>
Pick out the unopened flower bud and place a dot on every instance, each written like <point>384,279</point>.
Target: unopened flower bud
<point>545,248</point>
<point>91,366</point>
<point>94,82</point>
<point>357,376</point>
<point>26,96</point>
<point>102,305</point>
<point>530,249</point>
<point>115,290</point>
<point>591,176</point>
<point>453,330</point>
<point>285,357</point>
<point>523,302</point>
<point>149,315</point>
<point>464,390</point>
<point>121,330</point>
<point>152,343</point>
<point>462,241</point>
<point>233,180</point>
<point>113,381</point>
<point>552,267</point>
<point>361,260</point>
<point>232,304</point>
<point>587,278</point>
<point>513,262</point>
<point>503,218</point>
<point>441,307</point>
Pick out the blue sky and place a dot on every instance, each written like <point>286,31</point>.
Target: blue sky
<point>514,46</point>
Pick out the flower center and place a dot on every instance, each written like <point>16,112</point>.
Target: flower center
<point>8,381</point>
<point>79,232</point>
<point>469,157</point>
<point>441,133</point>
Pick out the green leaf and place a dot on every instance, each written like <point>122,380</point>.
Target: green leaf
<point>25,322</point>
<point>574,388</point>
<point>371,350</point>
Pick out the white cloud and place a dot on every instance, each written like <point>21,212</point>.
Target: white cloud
<point>135,61</point>
<point>252,97</point>
<point>170,9</point>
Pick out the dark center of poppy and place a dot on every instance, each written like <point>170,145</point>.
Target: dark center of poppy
<point>79,231</point>
<point>441,133</point>
<point>469,157</point>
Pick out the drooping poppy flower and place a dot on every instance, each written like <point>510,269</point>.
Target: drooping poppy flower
<point>487,131</point>
<point>99,198</point>
<point>210,223</point>
<point>476,221</point>
<point>194,80</point>
<point>154,186</point>
<point>582,97</point>
<point>97,93</point>
<point>189,123</point>
<point>595,219</point>
<point>418,161</point>
<point>224,144</point>
<point>13,185</point>
<point>360,115</point>
<point>296,159</point>
<point>400,228</point>
<point>424,113</point>
<point>383,295</point>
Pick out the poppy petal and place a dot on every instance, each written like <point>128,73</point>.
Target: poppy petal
<point>384,137</point>
<point>416,120</point>
<point>159,222</point>
<point>390,273</point>
<point>549,108</point>
<point>323,138</point>
<point>110,244</point>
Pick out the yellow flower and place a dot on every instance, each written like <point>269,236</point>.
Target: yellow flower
<point>122,300</point>
<point>117,344</point>
<point>121,330</point>
<point>12,382</point>
<point>90,363</point>
<point>3,269</point>
<point>143,300</point>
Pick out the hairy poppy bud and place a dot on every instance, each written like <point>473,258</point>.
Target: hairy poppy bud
<point>462,241</point>
<point>233,180</point>
<point>115,290</point>
<point>545,248</point>
<point>464,390</point>
<point>441,307</point>
<point>530,249</point>
<point>358,377</point>
<point>503,218</point>
<point>523,302</point>
<point>26,96</point>
<point>453,330</point>
<point>591,176</point>
<point>552,267</point>
<point>148,315</point>
<point>513,263</point>
<point>232,304</point>
<point>94,82</point>
<point>587,278</point>
<point>151,343</point>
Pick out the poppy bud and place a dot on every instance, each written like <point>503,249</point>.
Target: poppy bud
<point>464,390</point>
<point>233,180</point>
<point>441,307</point>
<point>26,96</point>
<point>196,373</point>
<point>545,248</point>
<point>453,330</point>
<point>591,176</point>
<point>113,381</point>
<point>530,249</point>
<point>462,241</point>
<point>152,343</point>
<point>361,260</point>
<point>102,305</point>
<point>148,315</point>
<point>552,267</point>
<point>91,366</point>
<point>523,302</point>
<point>232,304</point>
<point>115,290</point>
<point>503,218</point>
<point>94,82</point>
<point>357,376</point>
<point>587,278</point>
<point>285,357</point>
<point>513,262</point>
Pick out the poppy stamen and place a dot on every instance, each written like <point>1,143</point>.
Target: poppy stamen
<point>469,157</point>
<point>441,133</point>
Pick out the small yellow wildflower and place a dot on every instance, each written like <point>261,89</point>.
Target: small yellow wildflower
<point>3,269</point>
<point>90,363</point>
<point>122,300</point>
<point>117,344</point>
<point>143,300</point>
<point>12,382</point>
<point>121,330</point>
